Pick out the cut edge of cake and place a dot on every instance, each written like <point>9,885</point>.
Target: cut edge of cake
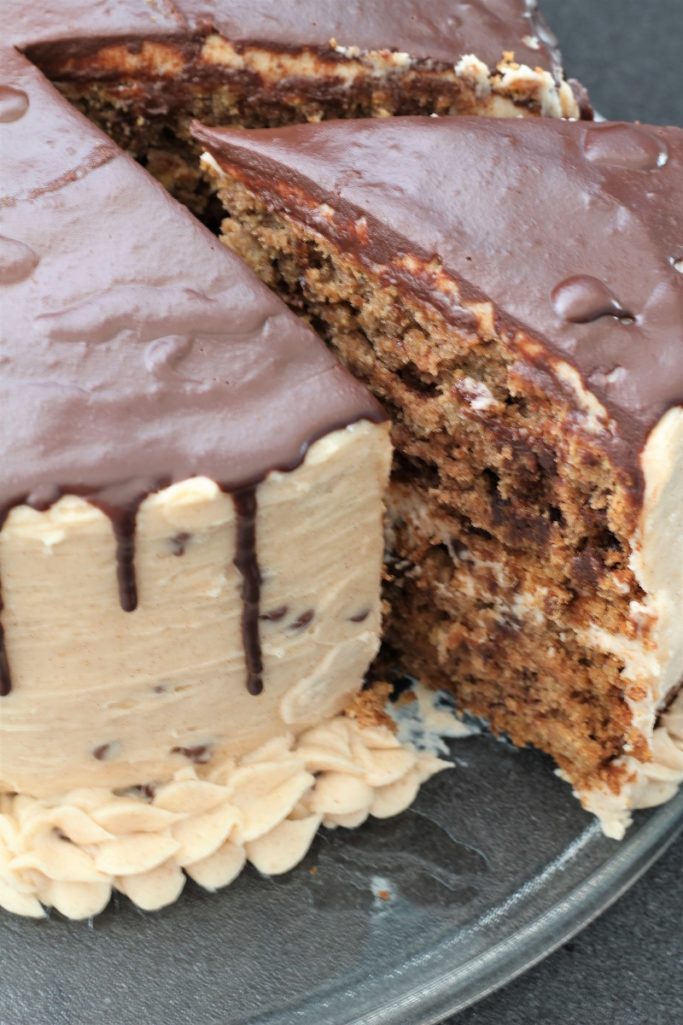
<point>307,239</point>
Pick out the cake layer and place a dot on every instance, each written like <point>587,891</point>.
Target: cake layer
<point>535,391</point>
<point>613,319</point>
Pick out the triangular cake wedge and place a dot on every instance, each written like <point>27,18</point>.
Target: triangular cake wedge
<point>512,291</point>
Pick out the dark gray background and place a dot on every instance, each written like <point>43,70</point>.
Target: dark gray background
<point>627,968</point>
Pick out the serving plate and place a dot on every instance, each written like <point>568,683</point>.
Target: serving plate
<point>400,922</point>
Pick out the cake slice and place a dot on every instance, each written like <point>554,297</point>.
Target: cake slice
<point>142,70</point>
<point>191,544</point>
<point>512,292</point>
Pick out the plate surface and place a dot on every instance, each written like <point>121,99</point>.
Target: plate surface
<point>400,922</point>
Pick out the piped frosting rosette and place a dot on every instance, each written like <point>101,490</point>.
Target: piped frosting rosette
<point>71,852</point>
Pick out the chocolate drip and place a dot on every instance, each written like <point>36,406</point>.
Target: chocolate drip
<point>5,677</point>
<point>246,561</point>
<point>124,532</point>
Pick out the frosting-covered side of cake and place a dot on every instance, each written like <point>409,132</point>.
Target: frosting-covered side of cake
<point>191,540</point>
<point>529,347</point>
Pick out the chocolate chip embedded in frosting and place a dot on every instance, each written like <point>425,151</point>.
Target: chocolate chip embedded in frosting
<point>302,621</point>
<point>360,617</point>
<point>178,543</point>
<point>275,615</point>
<point>200,754</point>
<point>105,752</point>
<point>17,260</point>
<point>582,299</point>
<point>13,103</point>
<point>147,790</point>
<point>630,147</point>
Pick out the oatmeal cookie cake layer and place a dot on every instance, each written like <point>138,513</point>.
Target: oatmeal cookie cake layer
<point>512,292</point>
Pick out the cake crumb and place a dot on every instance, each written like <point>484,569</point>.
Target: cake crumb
<point>369,707</point>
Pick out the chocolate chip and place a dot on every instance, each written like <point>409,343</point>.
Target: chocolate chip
<point>106,751</point>
<point>360,616</point>
<point>200,754</point>
<point>275,614</point>
<point>178,543</point>
<point>303,620</point>
<point>147,790</point>
<point>586,569</point>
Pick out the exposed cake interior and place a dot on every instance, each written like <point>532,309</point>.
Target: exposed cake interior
<point>325,63</point>
<point>515,572</point>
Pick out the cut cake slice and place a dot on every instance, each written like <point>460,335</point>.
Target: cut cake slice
<point>512,292</point>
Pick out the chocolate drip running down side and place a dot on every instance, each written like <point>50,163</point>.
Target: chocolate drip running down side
<point>121,505</point>
<point>5,674</point>
<point>246,561</point>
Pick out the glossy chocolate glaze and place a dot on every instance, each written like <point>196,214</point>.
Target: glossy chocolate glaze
<point>572,230</point>
<point>246,560</point>
<point>433,30</point>
<point>135,349</point>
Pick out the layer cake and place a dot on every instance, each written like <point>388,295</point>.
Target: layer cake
<point>191,499</point>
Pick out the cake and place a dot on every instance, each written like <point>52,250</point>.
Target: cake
<point>512,293</point>
<point>143,69</point>
<point>191,496</point>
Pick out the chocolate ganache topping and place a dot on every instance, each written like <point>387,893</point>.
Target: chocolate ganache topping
<point>438,31</point>
<point>135,350</point>
<point>572,230</point>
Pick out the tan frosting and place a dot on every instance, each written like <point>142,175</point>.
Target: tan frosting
<point>653,655</point>
<point>112,699</point>
<point>651,783</point>
<point>70,851</point>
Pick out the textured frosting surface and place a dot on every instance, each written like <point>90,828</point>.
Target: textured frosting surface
<point>442,30</point>
<point>544,219</point>
<point>71,851</point>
